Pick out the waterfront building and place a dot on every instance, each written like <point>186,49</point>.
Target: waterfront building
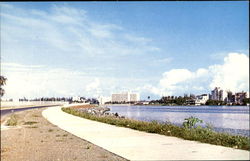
<point>219,94</point>
<point>125,97</point>
<point>239,97</point>
<point>201,99</point>
<point>78,99</point>
<point>190,101</point>
<point>230,97</point>
<point>134,97</point>
<point>222,95</point>
<point>215,93</point>
<point>102,100</point>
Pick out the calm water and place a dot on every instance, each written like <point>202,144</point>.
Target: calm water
<point>232,119</point>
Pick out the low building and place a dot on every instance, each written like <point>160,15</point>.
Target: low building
<point>239,97</point>
<point>78,99</point>
<point>201,99</point>
<point>190,102</point>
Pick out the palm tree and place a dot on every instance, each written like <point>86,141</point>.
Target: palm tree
<point>2,83</point>
<point>2,80</point>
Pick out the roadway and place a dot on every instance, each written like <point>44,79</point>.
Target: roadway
<point>13,110</point>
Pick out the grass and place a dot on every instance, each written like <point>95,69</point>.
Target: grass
<point>204,135</point>
<point>50,130</point>
<point>4,150</point>
<point>88,147</point>
<point>60,140</point>
<point>32,127</point>
<point>30,123</point>
<point>35,115</point>
<point>12,120</point>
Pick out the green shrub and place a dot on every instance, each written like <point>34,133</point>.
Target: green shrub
<point>12,120</point>
<point>191,122</point>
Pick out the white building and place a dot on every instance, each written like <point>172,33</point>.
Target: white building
<point>125,97</point>
<point>201,99</point>
<point>222,95</point>
<point>78,99</point>
<point>247,95</point>
<point>102,100</point>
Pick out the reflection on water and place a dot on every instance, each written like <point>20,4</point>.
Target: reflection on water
<point>233,118</point>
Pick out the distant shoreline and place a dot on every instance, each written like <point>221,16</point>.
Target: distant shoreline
<point>165,105</point>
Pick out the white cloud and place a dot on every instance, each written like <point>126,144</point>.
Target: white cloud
<point>232,75</point>
<point>62,30</point>
<point>39,81</point>
<point>93,85</point>
<point>15,65</point>
<point>173,77</point>
<point>151,89</point>
<point>32,81</point>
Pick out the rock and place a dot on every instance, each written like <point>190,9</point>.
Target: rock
<point>100,111</point>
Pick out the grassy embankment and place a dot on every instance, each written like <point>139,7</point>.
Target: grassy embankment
<point>205,135</point>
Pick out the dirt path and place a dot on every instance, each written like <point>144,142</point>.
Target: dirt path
<point>35,139</point>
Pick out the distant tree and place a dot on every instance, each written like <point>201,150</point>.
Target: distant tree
<point>192,96</point>
<point>246,101</point>
<point>214,102</point>
<point>2,83</point>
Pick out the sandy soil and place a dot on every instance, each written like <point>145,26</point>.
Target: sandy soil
<point>35,139</point>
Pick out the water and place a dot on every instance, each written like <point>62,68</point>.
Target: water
<point>231,119</point>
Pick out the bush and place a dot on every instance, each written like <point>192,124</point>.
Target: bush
<point>12,120</point>
<point>191,122</point>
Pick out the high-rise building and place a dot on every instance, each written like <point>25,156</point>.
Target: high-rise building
<point>230,98</point>
<point>125,97</point>
<point>218,94</point>
<point>215,93</point>
<point>222,95</point>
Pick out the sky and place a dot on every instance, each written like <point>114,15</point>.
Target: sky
<point>92,49</point>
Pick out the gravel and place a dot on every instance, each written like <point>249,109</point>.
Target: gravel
<point>35,139</point>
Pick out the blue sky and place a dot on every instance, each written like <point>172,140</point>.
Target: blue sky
<point>95,48</point>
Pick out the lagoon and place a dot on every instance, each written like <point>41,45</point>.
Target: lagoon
<point>231,119</point>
